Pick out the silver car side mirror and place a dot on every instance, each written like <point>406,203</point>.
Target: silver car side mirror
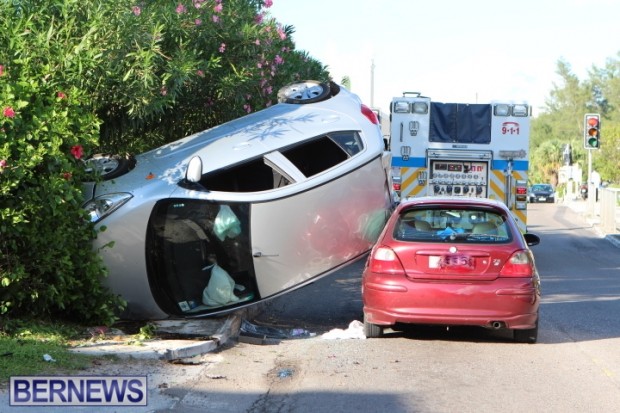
<point>194,170</point>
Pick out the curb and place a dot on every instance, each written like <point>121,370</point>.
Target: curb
<point>190,338</point>
<point>614,239</point>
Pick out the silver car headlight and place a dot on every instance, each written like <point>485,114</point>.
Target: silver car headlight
<point>102,206</point>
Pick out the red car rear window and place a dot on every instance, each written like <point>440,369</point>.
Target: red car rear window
<point>458,225</point>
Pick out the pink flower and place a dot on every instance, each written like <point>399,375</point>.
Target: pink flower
<point>258,19</point>
<point>180,9</point>
<point>257,42</point>
<point>136,10</point>
<point>1,70</point>
<point>268,3</point>
<point>222,47</point>
<point>218,8</point>
<point>8,112</point>
<point>247,108</point>
<point>2,163</point>
<point>77,151</point>
<point>281,33</point>
<point>278,59</point>
<point>67,175</point>
<point>200,73</point>
<point>61,95</point>
<point>198,22</point>
<point>215,18</point>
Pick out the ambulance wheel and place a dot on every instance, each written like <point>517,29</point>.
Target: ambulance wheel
<point>308,91</point>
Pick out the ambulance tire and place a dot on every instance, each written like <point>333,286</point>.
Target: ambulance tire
<point>308,91</point>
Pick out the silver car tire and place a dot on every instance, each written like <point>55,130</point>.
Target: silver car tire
<point>108,166</point>
<point>309,91</point>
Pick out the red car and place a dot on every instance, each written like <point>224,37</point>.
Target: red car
<point>452,261</point>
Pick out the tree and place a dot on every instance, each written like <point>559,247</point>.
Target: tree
<point>562,120</point>
<point>177,69</point>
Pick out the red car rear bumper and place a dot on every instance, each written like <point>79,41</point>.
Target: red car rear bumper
<point>513,302</point>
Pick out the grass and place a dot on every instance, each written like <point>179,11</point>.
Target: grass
<point>24,345</point>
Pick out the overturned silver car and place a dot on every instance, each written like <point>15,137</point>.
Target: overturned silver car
<point>244,211</point>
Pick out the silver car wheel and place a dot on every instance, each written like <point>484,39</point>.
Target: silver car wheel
<point>309,91</point>
<point>108,166</point>
<point>102,165</point>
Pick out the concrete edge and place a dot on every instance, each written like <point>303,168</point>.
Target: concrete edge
<point>165,349</point>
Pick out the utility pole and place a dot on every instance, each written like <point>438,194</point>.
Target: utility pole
<point>372,83</point>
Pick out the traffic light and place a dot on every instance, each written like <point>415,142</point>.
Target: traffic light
<point>592,131</point>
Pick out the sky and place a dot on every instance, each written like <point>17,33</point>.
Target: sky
<point>457,51</point>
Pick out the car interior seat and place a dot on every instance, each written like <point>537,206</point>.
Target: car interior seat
<point>484,228</point>
<point>422,226</point>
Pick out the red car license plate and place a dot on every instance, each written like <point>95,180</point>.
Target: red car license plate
<point>462,261</point>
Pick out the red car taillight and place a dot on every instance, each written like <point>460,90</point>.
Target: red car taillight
<point>396,187</point>
<point>520,264</point>
<point>384,261</point>
<point>372,116</point>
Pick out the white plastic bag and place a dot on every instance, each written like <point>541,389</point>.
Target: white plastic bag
<point>355,331</point>
<point>220,289</point>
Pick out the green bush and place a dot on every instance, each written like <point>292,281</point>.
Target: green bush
<point>46,264</point>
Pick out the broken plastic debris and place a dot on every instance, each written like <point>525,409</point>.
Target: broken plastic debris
<point>355,330</point>
<point>272,332</point>
<point>261,331</point>
<point>47,357</point>
<point>300,332</point>
<point>285,373</point>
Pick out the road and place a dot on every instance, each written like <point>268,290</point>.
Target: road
<point>575,366</point>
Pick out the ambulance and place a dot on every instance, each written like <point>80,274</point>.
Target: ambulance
<point>461,150</point>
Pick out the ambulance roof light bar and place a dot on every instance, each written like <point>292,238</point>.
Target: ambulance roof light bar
<point>505,109</point>
<point>402,106</point>
<point>420,108</point>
